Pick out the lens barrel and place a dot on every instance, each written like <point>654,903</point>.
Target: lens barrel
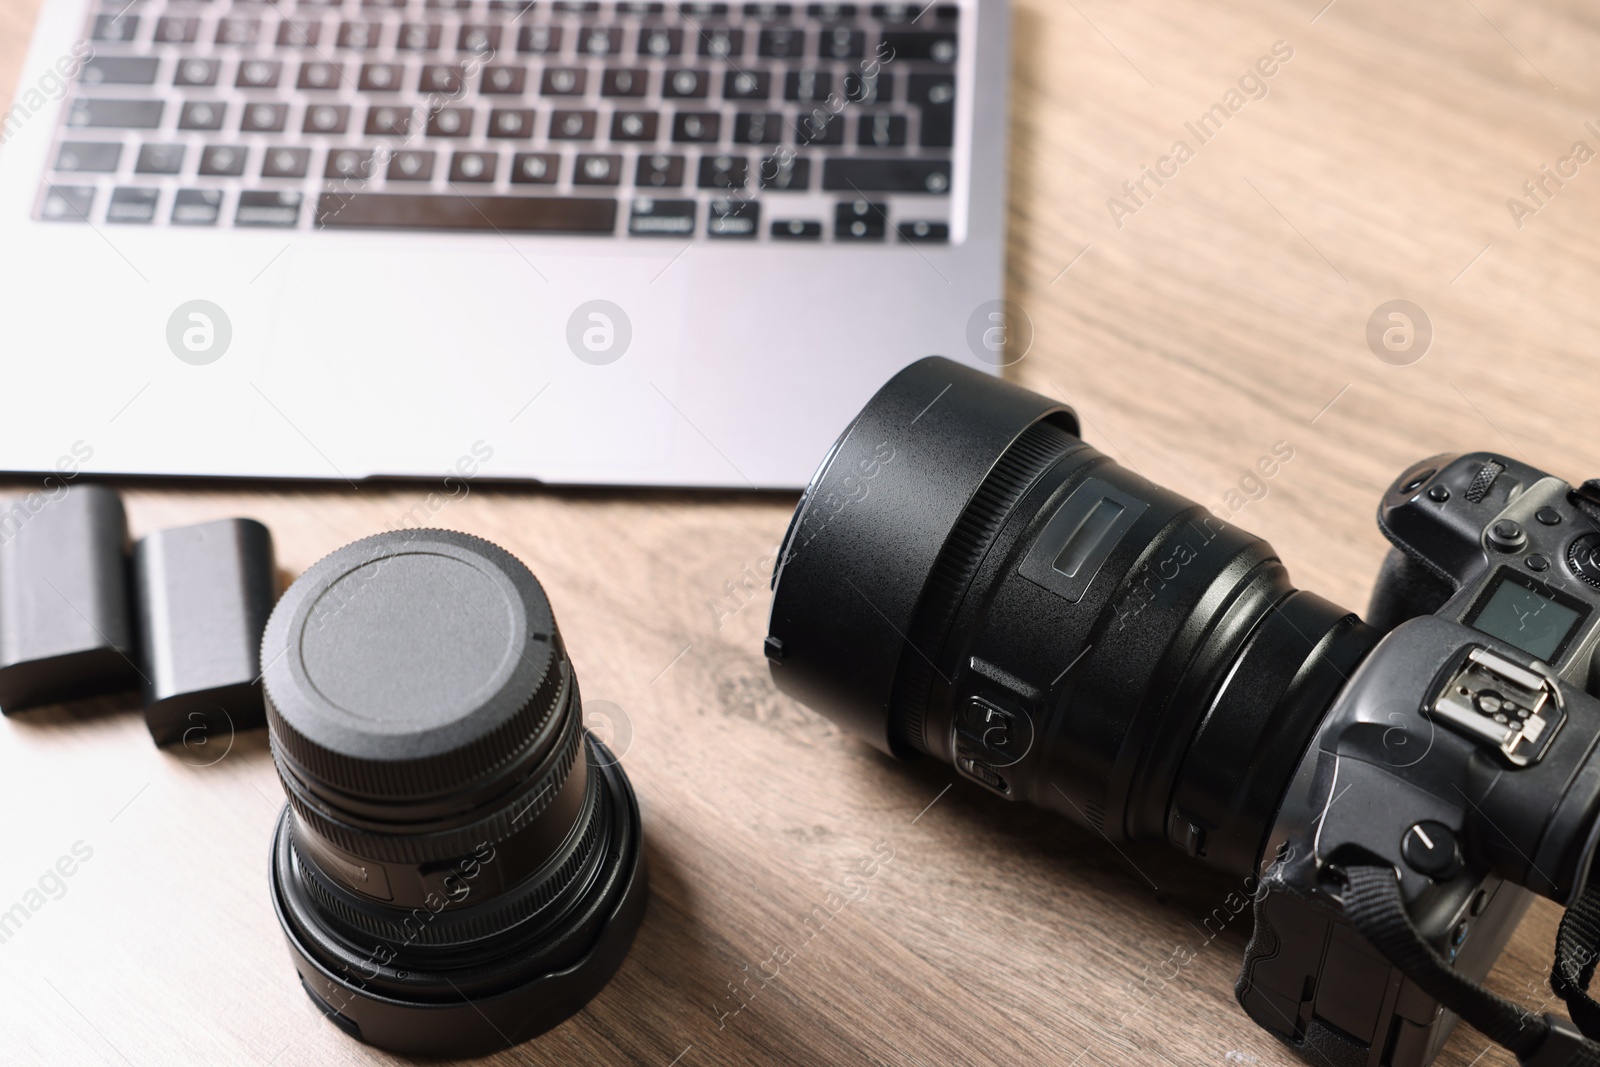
<point>459,866</point>
<point>965,578</point>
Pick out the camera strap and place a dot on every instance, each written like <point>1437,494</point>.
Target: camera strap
<point>1373,904</point>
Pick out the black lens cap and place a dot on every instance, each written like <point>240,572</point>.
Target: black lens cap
<point>404,665</point>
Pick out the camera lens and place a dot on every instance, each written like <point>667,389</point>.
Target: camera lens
<point>459,866</point>
<point>967,579</point>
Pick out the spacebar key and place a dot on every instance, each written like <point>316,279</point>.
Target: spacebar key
<point>512,214</point>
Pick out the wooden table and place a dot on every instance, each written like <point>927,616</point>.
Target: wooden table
<point>1216,314</point>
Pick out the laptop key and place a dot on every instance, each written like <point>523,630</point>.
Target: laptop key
<point>935,94</point>
<point>535,168</point>
<point>419,37</point>
<point>120,70</point>
<point>503,81</point>
<point>659,171</point>
<point>264,118</point>
<point>239,32</point>
<point>359,36</point>
<point>733,218</point>
<point>782,42</point>
<point>452,211</point>
<point>564,81</point>
<point>573,125</point>
<point>258,74</point>
<point>381,77</point>
<point>697,127</point>
<point>326,118</point>
<point>349,163</point>
<point>597,169</point>
<point>873,88</point>
<point>196,72</point>
<point>924,232</point>
<point>902,44</point>
<point>721,43</point>
<point>89,157</point>
<point>115,114</point>
<point>660,42</point>
<point>862,175</point>
<point>159,159</point>
<point>196,207</point>
<point>319,76</point>
<point>411,166</point>
<point>286,163</point>
<point>832,12</point>
<point>841,42</point>
<point>450,122</point>
<point>599,41</point>
<point>650,217</point>
<point>478,40</point>
<point>723,172</point>
<point>807,86</point>
<point>797,230</point>
<point>511,122</point>
<point>787,174</point>
<point>132,205</point>
<point>758,127</point>
<point>299,33</point>
<point>768,12</point>
<point>859,220</point>
<point>440,78</point>
<point>634,125</point>
<point>624,81</point>
<point>820,128</point>
<point>686,84</point>
<point>539,40</point>
<point>474,166</point>
<point>67,203</point>
<point>202,115</point>
<point>389,121</point>
<point>258,208</point>
<point>747,85</point>
<point>223,161</point>
<point>575,7</point>
<point>171,29</point>
<point>115,27</point>
<point>881,131</point>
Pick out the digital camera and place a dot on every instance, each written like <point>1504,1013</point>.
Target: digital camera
<point>966,579</point>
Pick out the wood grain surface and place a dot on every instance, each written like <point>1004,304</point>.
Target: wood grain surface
<point>1221,312</point>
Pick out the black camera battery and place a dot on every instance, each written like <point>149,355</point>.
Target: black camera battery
<point>65,627</point>
<point>203,594</point>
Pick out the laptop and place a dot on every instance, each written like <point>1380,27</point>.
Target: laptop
<point>602,243</point>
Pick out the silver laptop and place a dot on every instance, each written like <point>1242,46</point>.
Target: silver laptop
<point>597,243</point>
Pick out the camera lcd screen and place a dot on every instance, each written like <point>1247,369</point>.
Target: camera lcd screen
<point>1537,620</point>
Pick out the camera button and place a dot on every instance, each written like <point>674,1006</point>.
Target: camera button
<point>1439,494</point>
<point>1537,562</point>
<point>1507,535</point>
<point>1429,848</point>
<point>1548,516</point>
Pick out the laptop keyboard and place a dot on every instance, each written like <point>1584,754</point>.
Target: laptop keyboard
<point>758,121</point>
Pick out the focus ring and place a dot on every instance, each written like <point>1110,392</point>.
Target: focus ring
<point>1039,448</point>
<point>446,928</point>
<point>402,848</point>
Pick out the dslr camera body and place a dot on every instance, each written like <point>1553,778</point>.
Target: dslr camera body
<point>966,579</point>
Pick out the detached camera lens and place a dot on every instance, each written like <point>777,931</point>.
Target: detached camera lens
<point>459,866</point>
